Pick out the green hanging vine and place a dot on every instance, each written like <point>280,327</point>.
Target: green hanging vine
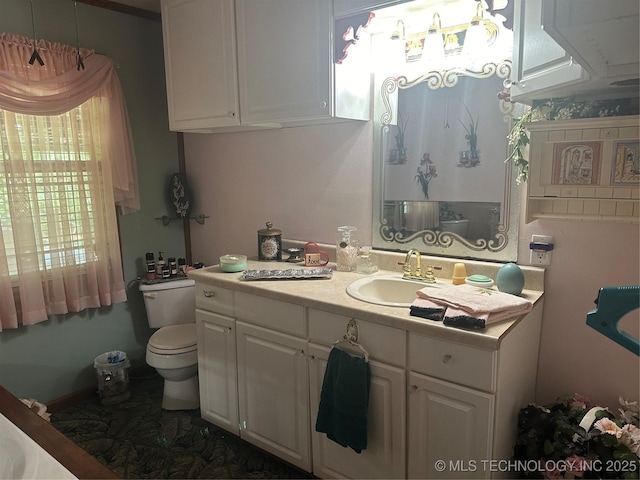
<point>518,140</point>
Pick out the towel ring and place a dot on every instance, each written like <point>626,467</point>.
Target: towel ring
<point>351,337</point>
<point>352,331</point>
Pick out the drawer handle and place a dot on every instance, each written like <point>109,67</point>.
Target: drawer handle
<point>209,293</point>
<point>446,358</point>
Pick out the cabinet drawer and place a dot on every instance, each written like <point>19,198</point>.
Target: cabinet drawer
<point>453,362</point>
<point>386,344</point>
<point>270,313</point>
<point>214,299</point>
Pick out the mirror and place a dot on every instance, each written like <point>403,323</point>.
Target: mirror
<point>441,183</point>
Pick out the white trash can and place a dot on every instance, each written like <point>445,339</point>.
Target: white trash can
<point>112,369</point>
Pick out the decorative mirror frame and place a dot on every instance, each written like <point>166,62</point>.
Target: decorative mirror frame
<point>504,246</point>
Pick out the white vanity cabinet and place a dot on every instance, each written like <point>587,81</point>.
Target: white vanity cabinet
<point>384,456</point>
<point>273,381</point>
<point>217,373</point>
<point>235,65</point>
<point>464,401</point>
<point>451,422</point>
<point>436,394</point>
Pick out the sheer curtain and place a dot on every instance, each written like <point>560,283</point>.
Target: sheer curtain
<point>66,158</point>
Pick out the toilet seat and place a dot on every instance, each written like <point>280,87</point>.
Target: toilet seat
<point>174,340</point>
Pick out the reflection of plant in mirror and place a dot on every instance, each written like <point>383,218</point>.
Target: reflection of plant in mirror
<point>426,172</point>
<point>472,133</point>
<point>402,127</point>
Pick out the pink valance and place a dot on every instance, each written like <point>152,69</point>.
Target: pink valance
<point>59,86</point>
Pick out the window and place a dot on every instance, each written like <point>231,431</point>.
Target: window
<point>58,190</point>
<point>66,160</point>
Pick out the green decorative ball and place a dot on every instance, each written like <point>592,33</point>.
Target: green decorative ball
<point>510,279</point>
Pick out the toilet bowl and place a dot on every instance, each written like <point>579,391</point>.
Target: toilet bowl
<point>173,352</point>
<point>173,349</point>
<point>458,227</point>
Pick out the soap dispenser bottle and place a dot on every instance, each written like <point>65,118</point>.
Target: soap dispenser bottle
<point>346,249</point>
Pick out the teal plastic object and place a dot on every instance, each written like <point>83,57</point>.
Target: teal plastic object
<point>613,304</point>
<point>510,279</point>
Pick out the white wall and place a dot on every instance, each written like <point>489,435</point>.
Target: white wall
<point>310,180</point>
<point>307,181</point>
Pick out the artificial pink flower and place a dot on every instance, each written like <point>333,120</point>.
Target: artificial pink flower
<point>630,436</point>
<point>579,400</point>
<point>552,473</point>
<point>607,426</point>
<point>575,464</point>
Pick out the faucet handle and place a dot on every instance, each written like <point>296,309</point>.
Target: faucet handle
<point>428,276</point>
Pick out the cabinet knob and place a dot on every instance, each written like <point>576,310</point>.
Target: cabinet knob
<point>209,293</point>
<point>231,114</point>
<point>323,104</point>
<point>299,353</point>
<point>413,389</point>
<point>227,330</point>
<point>446,358</point>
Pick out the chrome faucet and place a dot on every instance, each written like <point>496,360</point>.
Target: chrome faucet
<point>416,274</point>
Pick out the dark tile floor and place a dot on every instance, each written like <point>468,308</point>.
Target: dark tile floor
<point>137,439</point>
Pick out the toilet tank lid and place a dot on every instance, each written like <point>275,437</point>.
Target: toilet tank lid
<point>167,285</point>
<point>175,337</point>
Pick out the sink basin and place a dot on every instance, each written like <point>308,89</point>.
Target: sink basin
<point>388,290</point>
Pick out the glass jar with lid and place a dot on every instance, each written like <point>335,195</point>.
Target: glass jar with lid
<point>270,243</point>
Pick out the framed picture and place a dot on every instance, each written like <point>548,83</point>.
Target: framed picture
<point>625,167</point>
<point>576,163</point>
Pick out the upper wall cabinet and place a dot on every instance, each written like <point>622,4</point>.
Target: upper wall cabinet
<point>200,64</point>
<point>575,47</point>
<point>247,64</point>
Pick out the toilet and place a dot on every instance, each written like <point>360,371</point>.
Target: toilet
<point>173,349</point>
<point>455,226</point>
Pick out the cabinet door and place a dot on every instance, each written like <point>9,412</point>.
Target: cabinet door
<point>384,456</point>
<point>200,64</point>
<point>284,59</point>
<point>541,68</point>
<point>217,371</point>
<point>273,391</point>
<point>450,429</point>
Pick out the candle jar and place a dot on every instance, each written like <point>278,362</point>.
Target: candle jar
<point>270,243</point>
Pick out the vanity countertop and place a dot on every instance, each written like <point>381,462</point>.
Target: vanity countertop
<point>329,294</point>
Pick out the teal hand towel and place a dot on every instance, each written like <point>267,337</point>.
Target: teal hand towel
<point>344,400</point>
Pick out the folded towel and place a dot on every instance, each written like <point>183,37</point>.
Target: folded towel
<point>424,308</point>
<point>344,400</point>
<point>475,307</point>
<point>475,299</point>
<point>456,317</point>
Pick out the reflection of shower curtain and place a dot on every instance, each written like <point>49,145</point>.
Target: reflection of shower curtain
<point>422,216</point>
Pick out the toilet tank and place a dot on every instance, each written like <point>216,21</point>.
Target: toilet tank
<point>170,303</point>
